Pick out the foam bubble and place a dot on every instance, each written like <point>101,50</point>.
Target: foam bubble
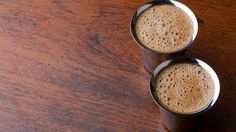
<point>184,88</point>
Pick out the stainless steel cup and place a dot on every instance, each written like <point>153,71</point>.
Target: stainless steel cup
<point>150,57</point>
<point>182,122</point>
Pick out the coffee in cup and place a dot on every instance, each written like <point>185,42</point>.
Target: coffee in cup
<point>185,88</point>
<point>164,28</point>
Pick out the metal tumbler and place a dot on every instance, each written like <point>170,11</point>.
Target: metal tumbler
<point>150,57</point>
<point>178,122</point>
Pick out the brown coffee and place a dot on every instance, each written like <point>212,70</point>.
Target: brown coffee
<point>164,28</point>
<point>184,88</point>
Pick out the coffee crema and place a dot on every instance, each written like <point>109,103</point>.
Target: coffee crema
<point>184,88</point>
<point>164,28</point>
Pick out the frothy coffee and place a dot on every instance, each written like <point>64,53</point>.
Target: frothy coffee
<point>164,28</point>
<point>184,88</point>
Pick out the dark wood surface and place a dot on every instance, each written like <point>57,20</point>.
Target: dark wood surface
<point>71,65</point>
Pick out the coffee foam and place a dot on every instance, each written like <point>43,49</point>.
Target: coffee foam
<point>184,88</point>
<point>164,28</point>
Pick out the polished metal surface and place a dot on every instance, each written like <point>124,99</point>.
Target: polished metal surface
<point>178,121</point>
<point>150,57</point>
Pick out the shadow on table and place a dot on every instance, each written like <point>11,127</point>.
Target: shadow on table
<point>222,116</point>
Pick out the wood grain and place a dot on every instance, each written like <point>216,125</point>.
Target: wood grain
<point>71,65</point>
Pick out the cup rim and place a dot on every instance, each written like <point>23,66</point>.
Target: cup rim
<point>189,60</point>
<point>148,5</point>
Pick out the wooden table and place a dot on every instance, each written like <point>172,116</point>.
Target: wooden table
<point>72,65</point>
